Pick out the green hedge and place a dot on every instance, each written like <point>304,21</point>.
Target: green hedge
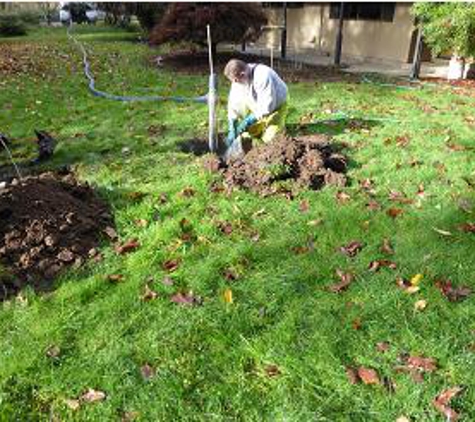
<point>12,25</point>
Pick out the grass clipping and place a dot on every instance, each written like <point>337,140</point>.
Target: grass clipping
<point>305,162</point>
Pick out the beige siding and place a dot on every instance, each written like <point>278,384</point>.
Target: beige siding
<point>310,28</point>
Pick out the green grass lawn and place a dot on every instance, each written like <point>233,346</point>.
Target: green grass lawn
<point>280,350</point>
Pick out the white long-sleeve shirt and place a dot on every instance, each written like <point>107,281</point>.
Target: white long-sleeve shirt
<point>264,94</point>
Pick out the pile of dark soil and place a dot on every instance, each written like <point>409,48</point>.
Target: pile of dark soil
<point>305,162</point>
<point>197,62</point>
<point>47,223</point>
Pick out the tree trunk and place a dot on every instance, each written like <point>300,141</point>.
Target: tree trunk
<point>339,36</point>
<point>416,63</point>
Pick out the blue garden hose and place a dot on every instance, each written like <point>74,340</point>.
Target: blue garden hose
<point>126,98</point>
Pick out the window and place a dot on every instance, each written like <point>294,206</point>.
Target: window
<point>364,11</point>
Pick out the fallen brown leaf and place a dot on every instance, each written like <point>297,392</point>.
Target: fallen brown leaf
<point>420,305</point>
<point>309,247</point>
<point>356,324</point>
<point>187,192</point>
<point>185,299</point>
<point>386,247</point>
<point>367,185</point>
<point>111,233</point>
<point>406,285</point>
<point>225,227</point>
<point>352,248</point>
<point>171,265</point>
<point>456,147</point>
<point>373,205</point>
<point>147,372</point>
<point>400,197</point>
<point>381,263</point>
<point>368,375</point>
<point>73,404</point>
<point>304,206</point>
<point>415,162</point>
<point>420,190</point>
<point>394,212</point>
<point>342,197</point>
<point>402,141</point>
<point>230,274</point>
<point>442,402</point>
<point>136,196</point>
<point>148,294</point>
<point>115,278</point>
<point>129,416</point>
<point>468,227</point>
<point>91,396</point>
<point>53,351</point>
<point>167,281</point>
<point>346,279</point>
<point>216,187</point>
<point>422,363</point>
<point>453,294</point>
<point>382,346</point>
<point>352,375</point>
<point>272,371</point>
<point>128,246</point>
<point>141,222</point>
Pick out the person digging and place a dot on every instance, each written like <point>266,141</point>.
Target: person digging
<point>257,106</point>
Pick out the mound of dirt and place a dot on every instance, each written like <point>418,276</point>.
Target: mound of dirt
<point>305,162</point>
<point>47,223</point>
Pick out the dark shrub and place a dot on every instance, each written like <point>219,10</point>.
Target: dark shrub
<point>11,25</point>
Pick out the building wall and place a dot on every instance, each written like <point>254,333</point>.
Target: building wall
<point>310,28</point>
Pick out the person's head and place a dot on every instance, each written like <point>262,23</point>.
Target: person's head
<point>237,71</point>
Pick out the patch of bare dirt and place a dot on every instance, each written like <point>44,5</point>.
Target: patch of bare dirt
<point>305,162</point>
<point>197,62</point>
<point>47,223</point>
